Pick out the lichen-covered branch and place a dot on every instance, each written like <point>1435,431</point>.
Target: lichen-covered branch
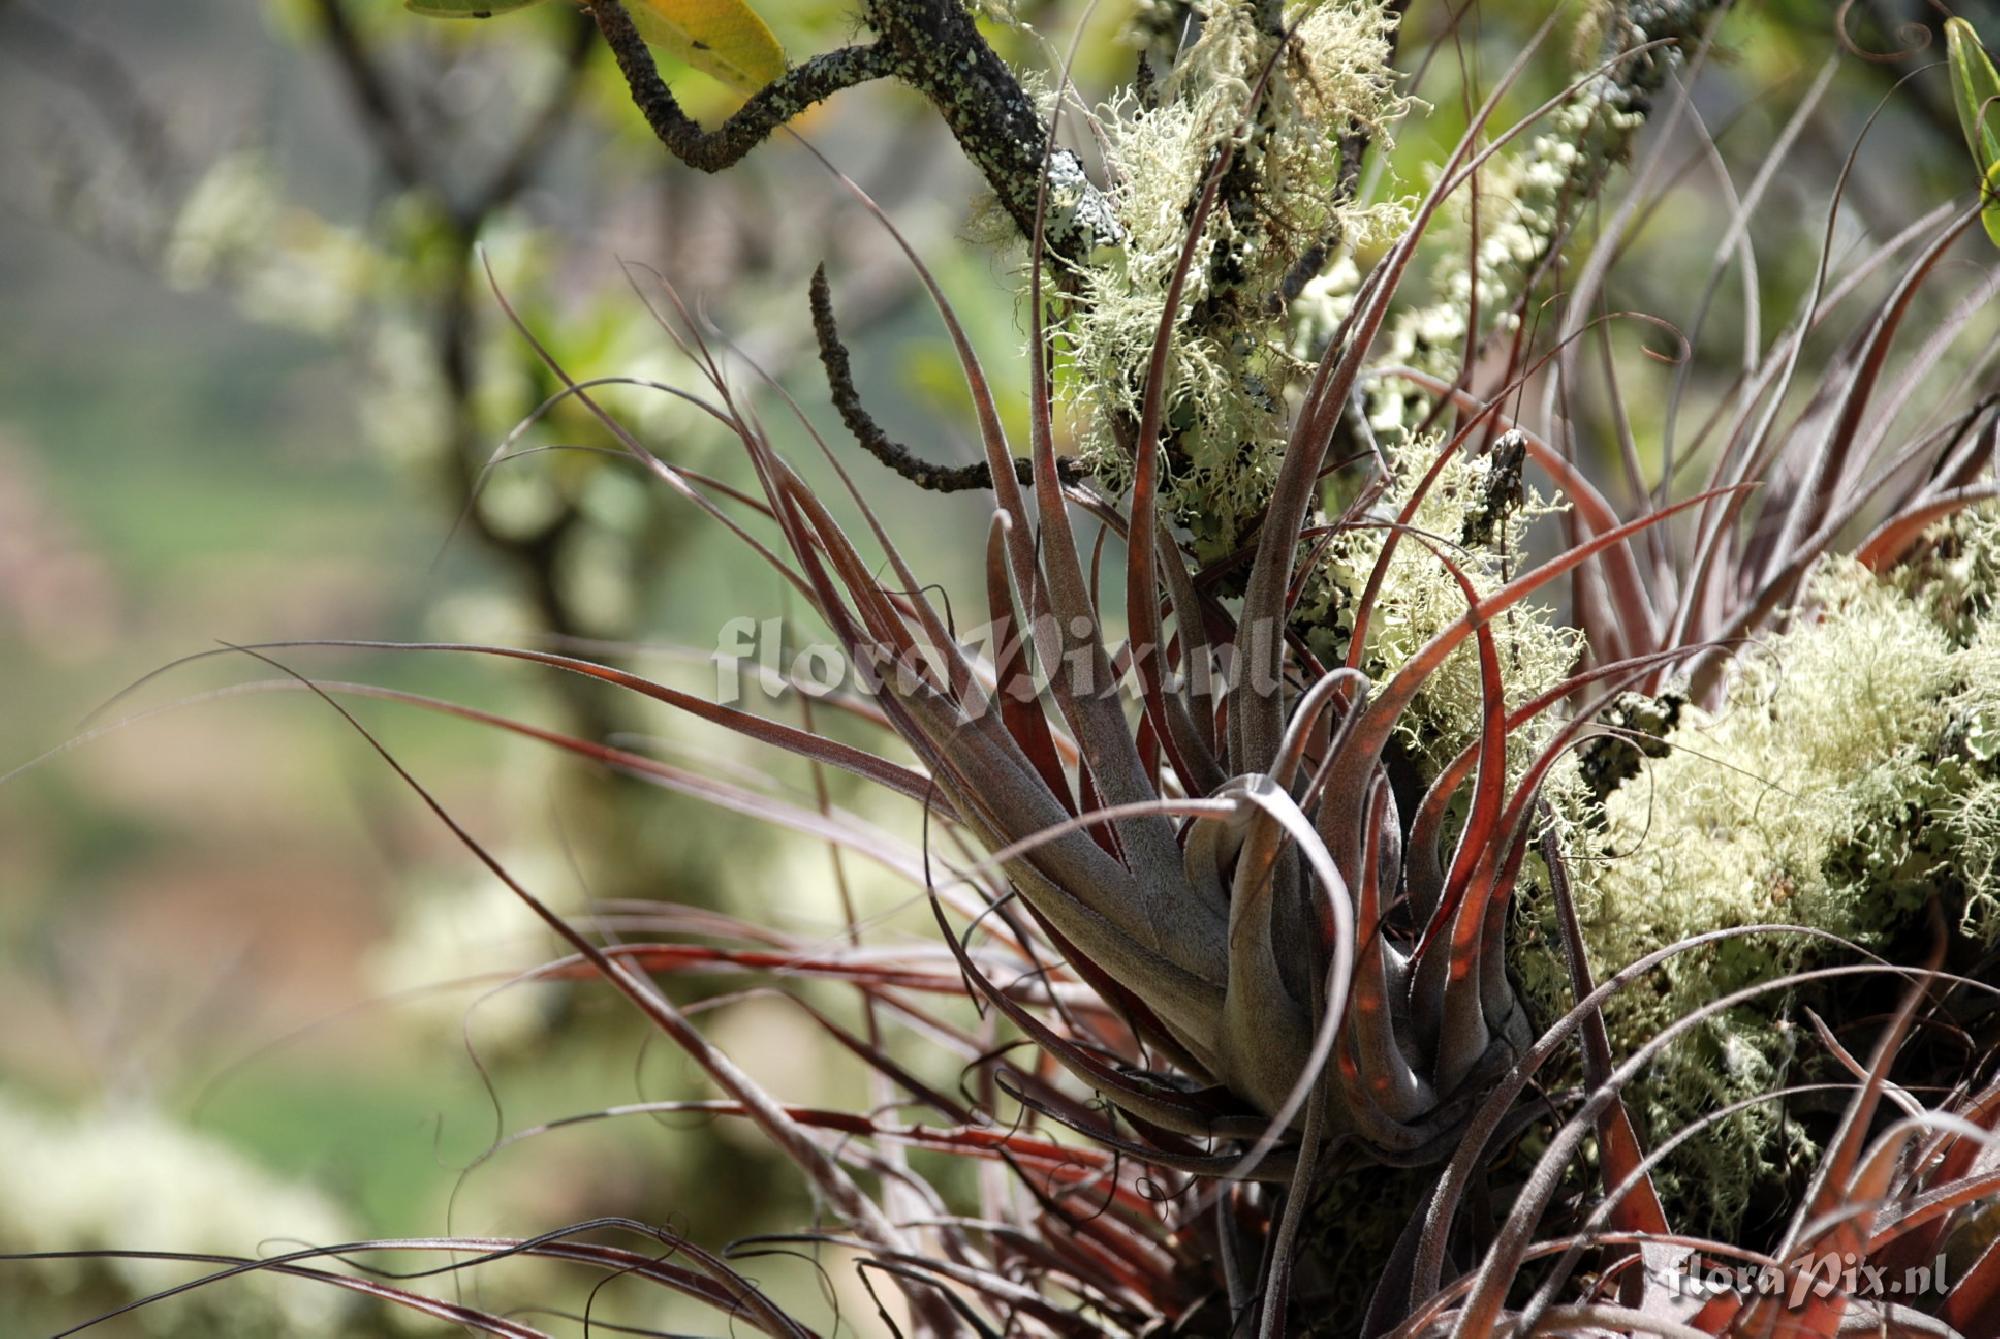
<point>939,52</point>
<point>1646,21</point>
<point>935,47</point>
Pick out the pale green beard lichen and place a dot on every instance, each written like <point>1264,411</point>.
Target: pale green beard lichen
<point>1229,370</point>
<point>1850,775</point>
<point>1955,577</point>
<point>1955,574</point>
<point>1970,822</point>
<point>1822,734</point>
<point>1419,599</point>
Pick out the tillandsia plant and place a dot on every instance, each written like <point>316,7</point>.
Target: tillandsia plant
<point>1322,892</point>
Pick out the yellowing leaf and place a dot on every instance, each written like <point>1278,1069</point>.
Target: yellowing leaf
<point>724,39</point>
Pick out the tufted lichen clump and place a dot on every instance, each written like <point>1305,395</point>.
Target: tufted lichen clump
<point>1419,598</point>
<point>1282,215</point>
<point>1851,773</point>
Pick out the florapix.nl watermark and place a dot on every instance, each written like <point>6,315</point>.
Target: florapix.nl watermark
<point>1808,1278</point>
<point>1012,661</point>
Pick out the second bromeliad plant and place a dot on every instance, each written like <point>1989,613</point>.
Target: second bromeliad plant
<point>1323,845</point>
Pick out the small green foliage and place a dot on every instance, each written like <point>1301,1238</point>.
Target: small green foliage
<point>1975,91</point>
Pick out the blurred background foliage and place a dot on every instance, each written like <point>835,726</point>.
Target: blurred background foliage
<point>254,380</point>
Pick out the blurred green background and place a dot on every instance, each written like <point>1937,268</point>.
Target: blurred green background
<point>251,372</point>
<point>226,414</point>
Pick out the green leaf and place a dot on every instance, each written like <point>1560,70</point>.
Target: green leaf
<point>1989,213</point>
<point>465,9</point>
<point>724,39</point>
<point>1975,90</point>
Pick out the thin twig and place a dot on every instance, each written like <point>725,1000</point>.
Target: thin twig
<point>756,120</point>
<point>876,442</point>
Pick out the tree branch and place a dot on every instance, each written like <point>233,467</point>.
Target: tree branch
<point>940,53</point>
<point>399,147</point>
<point>935,47</point>
<point>753,122</point>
